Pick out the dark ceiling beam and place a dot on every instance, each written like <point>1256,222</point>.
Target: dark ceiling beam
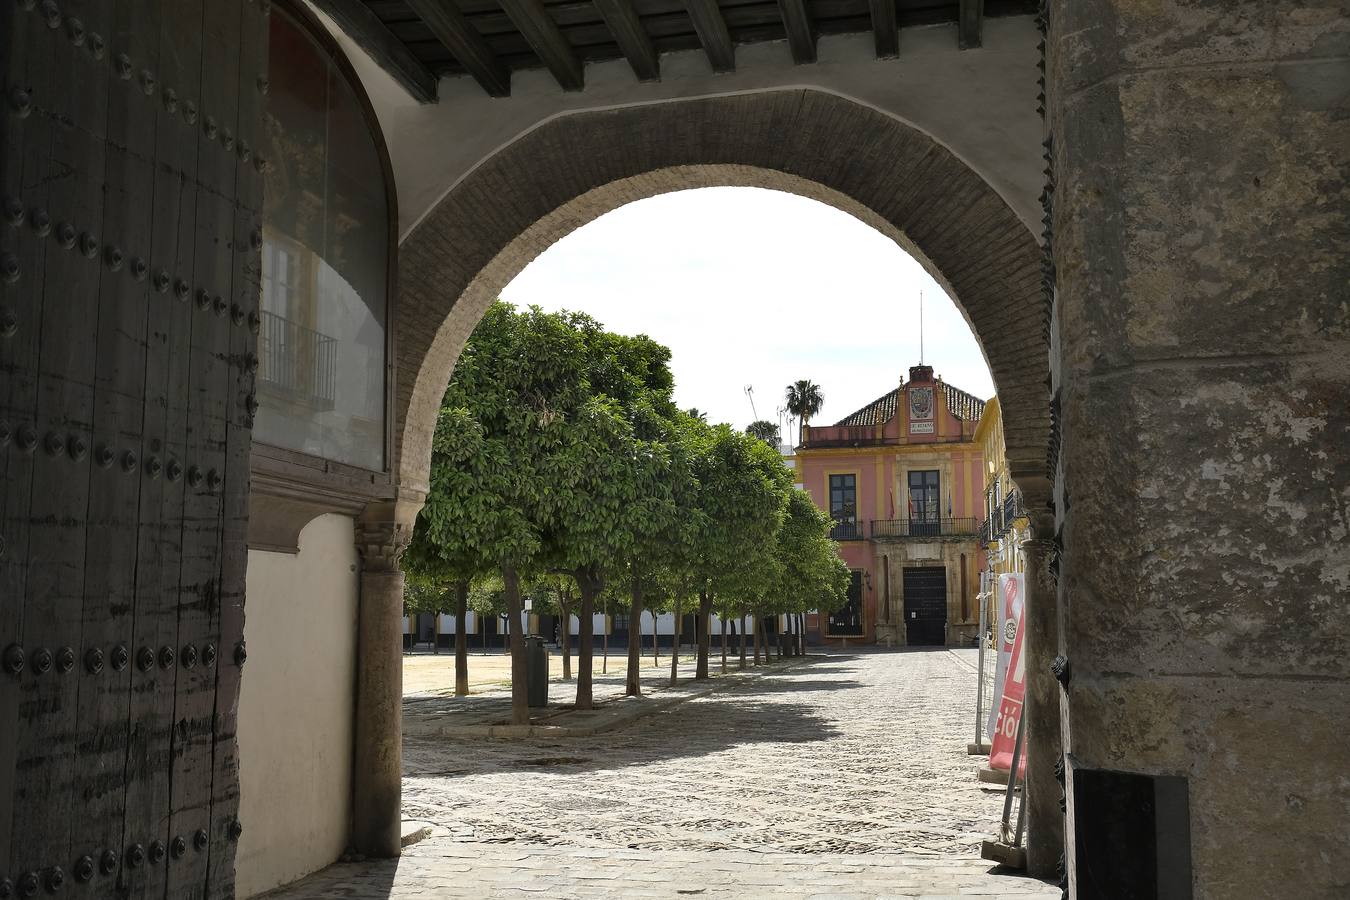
<point>800,33</point>
<point>389,53</point>
<point>713,34</point>
<point>885,31</point>
<point>969,21</point>
<point>465,44</point>
<point>631,37</point>
<point>547,41</point>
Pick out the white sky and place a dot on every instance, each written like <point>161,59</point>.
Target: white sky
<point>756,287</point>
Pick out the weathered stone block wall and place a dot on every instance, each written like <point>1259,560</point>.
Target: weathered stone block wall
<point>1202,220</point>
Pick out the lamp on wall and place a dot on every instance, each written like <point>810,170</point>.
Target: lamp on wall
<point>867,578</point>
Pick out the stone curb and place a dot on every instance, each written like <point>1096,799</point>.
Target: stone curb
<point>636,708</point>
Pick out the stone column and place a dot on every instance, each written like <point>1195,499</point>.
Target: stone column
<point>382,534</point>
<point>1045,818</point>
<point>1201,361</point>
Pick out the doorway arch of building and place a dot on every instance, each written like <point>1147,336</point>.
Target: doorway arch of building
<point>575,168</point>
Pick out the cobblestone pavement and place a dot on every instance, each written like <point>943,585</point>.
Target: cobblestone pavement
<point>841,776</point>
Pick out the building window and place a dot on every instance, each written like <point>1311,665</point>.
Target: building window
<point>325,280</point>
<point>925,504</point>
<point>844,506</point>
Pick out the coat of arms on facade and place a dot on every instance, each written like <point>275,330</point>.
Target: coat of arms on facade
<point>921,403</point>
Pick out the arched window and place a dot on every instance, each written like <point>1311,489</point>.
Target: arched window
<point>327,249</point>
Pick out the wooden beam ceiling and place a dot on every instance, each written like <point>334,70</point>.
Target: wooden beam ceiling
<point>465,44</point>
<point>547,41</point>
<point>885,31</point>
<point>389,53</point>
<point>636,45</point>
<point>968,23</point>
<point>800,32</point>
<point>712,31</point>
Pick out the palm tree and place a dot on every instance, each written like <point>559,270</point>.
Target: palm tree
<point>804,399</point>
<point>765,430</point>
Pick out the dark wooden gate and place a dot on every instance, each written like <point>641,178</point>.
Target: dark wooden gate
<point>925,605</point>
<point>128,310</point>
<point>847,620</point>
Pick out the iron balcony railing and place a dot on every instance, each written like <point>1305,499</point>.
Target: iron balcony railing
<point>1001,518</point>
<point>847,530</point>
<point>297,363</point>
<point>923,528</point>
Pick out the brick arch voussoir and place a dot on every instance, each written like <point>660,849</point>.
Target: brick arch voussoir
<point>576,168</point>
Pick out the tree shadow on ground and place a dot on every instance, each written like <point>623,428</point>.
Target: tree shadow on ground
<point>693,729</point>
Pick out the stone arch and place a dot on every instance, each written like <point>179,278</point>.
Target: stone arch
<point>575,168</point>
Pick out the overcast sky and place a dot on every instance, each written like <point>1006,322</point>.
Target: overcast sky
<point>755,287</point>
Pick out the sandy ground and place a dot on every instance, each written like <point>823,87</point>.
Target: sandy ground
<point>428,673</point>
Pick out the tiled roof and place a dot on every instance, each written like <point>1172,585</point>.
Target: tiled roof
<point>963,406</point>
<point>877,412</point>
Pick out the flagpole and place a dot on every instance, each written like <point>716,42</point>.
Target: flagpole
<point>920,327</point>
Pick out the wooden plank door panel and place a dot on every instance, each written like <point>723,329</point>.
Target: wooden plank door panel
<point>129,226</point>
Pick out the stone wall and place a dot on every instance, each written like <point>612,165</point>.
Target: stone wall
<point>1201,153</point>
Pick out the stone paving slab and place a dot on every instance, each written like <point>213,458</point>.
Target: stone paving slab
<point>446,868</point>
<point>844,776</point>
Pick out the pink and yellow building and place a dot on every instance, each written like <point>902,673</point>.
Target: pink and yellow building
<point>903,478</point>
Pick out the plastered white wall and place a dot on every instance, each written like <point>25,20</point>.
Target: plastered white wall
<point>296,707</point>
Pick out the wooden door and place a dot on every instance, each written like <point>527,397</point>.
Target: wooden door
<point>128,312</point>
<point>925,605</point>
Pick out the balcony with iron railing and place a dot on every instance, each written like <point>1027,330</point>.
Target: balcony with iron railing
<point>847,530</point>
<point>893,529</point>
<point>1001,518</point>
<point>296,364</point>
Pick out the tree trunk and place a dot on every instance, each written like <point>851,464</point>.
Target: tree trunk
<point>436,632</point>
<point>590,586</point>
<point>675,647</point>
<point>461,639</point>
<point>743,640</point>
<point>656,646</point>
<point>604,639</point>
<point>565,633</point>
<point>520,697</point>
<point>723,620</point>
<point>705,602</point>
<point>633,685</point>
<point>759,637</point>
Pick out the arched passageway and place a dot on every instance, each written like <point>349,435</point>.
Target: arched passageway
<point>575,168</point>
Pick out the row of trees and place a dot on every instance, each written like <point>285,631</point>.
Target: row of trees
<point>561,464</point>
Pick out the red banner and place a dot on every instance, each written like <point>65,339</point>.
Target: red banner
<point>1010,708</point>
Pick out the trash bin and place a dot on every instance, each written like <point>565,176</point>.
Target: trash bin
<point>536,670</point>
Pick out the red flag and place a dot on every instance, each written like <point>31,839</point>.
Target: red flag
<point>892,496</point>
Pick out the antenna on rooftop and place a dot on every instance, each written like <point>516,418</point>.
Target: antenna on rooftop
<point>921,327</point>
<point>750,394</point>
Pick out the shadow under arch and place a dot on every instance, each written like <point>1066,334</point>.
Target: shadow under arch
<point>577,167</point>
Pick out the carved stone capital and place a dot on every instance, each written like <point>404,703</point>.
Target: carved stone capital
<point>384,530</point>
